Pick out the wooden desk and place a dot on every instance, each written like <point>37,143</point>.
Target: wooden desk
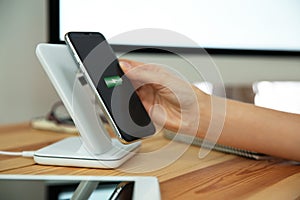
<point>217,176</point>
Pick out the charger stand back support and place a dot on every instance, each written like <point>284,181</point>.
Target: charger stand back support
<point>94,148</point>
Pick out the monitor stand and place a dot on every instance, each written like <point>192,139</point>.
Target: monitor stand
<point>94,147</point>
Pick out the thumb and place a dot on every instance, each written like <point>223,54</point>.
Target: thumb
<point>134,70</point>
<point>125,66</point>
<point>144,73</point>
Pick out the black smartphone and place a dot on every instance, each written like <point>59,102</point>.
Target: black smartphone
<point>116,94</point>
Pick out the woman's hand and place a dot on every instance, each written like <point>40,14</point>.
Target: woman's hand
<point>177,105</point>
<point>170,101</point>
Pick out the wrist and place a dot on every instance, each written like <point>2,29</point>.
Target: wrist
<point>199,115</point>
<point>204,104</point>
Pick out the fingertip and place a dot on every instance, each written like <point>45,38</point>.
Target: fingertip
<point>125,66</point>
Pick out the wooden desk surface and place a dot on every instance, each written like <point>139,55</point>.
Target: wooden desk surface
<point>217,176</point>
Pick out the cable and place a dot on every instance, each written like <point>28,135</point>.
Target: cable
<point>23,153</point>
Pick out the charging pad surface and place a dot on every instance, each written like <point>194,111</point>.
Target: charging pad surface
<point>94,147</point>
<point>71,152</point>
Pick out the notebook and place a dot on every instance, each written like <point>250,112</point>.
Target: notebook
<point>217,147</point>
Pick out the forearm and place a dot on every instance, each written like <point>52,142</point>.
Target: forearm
<point>259,129</point>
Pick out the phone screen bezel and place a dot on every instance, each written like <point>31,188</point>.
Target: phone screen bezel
<point>122,136</point>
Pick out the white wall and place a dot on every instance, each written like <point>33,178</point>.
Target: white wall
<point>25,91</point>
<point>24,88</point>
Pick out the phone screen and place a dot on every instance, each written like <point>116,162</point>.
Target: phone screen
<point>124,107</point>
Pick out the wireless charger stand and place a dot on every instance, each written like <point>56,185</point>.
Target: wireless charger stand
<point>94,148</point>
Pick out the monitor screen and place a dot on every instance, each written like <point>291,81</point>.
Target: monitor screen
<point>262,25</point>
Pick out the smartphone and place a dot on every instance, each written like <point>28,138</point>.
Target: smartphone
<point>117,97</point>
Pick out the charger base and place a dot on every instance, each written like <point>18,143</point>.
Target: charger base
<point>71,152</point>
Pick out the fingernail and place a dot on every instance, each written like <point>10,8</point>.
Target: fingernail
<point>125,66</point>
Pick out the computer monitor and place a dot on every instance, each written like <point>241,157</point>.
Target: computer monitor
<point>226,27</point>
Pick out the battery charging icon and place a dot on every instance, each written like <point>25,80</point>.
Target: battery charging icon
<point>113,81</point>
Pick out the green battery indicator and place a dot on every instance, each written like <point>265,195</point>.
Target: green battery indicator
<point>113,81</point>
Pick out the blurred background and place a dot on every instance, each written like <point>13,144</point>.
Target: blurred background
<point>26,92</point>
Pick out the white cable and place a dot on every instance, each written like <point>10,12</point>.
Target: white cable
<point>23,153</point>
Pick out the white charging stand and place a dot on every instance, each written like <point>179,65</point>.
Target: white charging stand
<point>94,148</point>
